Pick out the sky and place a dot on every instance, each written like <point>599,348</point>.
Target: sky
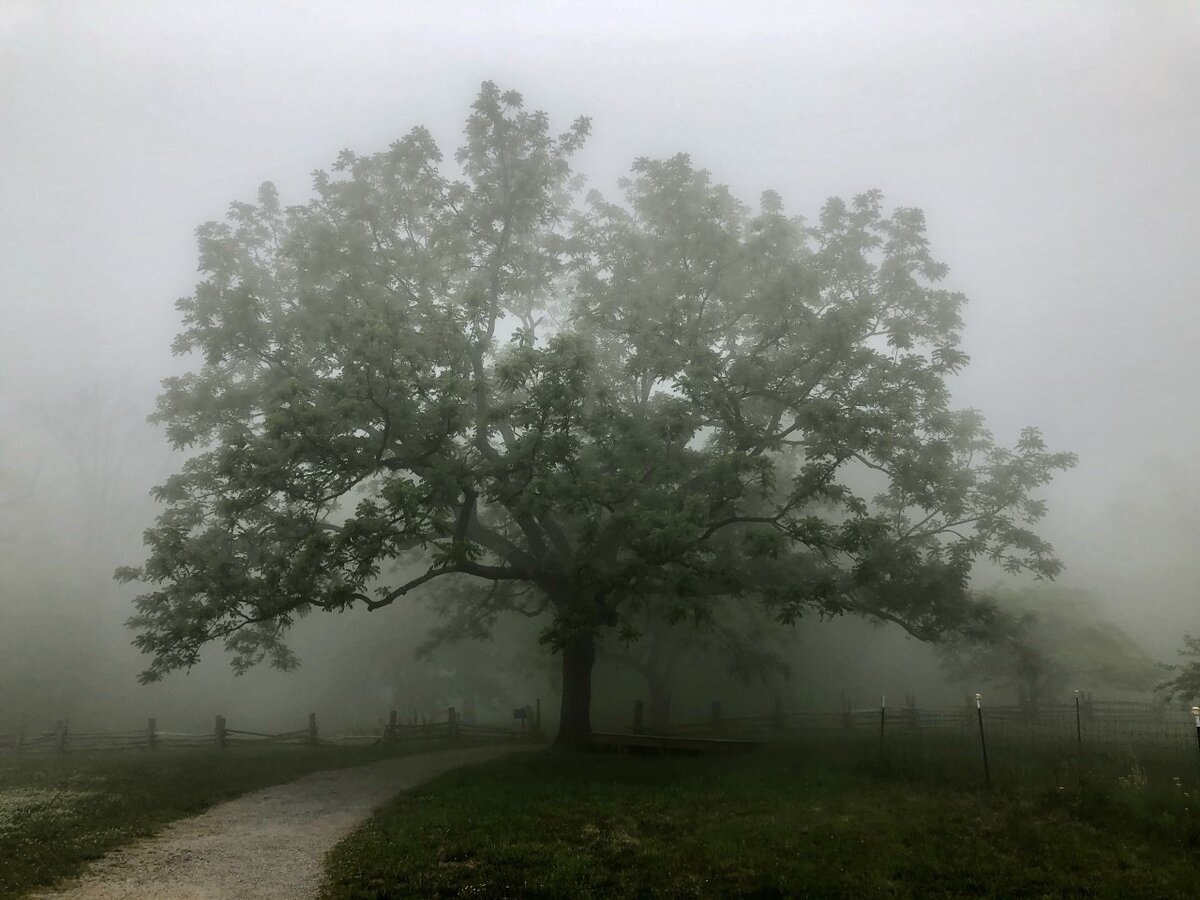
<point>1052,145</point>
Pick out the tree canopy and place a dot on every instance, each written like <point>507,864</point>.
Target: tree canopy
<point>572,401</point>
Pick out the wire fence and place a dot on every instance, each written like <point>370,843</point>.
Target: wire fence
<point>1087,722</point>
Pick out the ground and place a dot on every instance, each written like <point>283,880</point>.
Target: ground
<point>826,816</point>
<point>266,845</point>
<point>59,812</point>
<point>792,822</point>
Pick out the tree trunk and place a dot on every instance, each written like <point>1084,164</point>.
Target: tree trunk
<point>659,701</point>
<point>575,718</point>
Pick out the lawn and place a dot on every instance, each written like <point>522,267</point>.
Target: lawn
<point>58,812</point>
<point>813,819</point>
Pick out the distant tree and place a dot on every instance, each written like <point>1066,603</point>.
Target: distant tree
<point>1046,642</point>
<point>582,405</point>
<point>1185,684</point>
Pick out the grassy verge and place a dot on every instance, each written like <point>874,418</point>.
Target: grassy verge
<point>811,820</point>
<point>58,812</point>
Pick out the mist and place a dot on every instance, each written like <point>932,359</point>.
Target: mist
<point>1051,147</point>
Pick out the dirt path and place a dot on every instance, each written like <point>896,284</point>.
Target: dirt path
<point>266,844</point>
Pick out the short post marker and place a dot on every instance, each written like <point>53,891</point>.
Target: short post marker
<point>1196,719</point>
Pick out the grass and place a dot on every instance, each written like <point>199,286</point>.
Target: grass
<point>58,812</point>
<point>815,819</point>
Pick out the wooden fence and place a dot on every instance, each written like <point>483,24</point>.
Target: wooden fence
<point>63,739</point>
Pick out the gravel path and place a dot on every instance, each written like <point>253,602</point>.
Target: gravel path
<point>264,845</point>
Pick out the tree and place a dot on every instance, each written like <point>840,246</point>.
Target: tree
<point>1049,641</point>
<point>729,638</point>
<point>576,405</point>
<point>1186,682</point>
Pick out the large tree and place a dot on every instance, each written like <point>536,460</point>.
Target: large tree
<point>572,404</point>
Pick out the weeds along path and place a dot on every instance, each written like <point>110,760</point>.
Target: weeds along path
<point>266,844</point>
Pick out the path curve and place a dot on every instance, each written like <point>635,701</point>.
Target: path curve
<point>264,845</point>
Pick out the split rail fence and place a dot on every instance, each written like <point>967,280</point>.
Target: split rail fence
<point>451,728</point>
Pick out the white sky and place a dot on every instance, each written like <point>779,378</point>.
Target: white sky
<point>1054,147</point>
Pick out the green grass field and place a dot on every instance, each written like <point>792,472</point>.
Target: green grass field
<point>814,819</point>
<point>58,812</point>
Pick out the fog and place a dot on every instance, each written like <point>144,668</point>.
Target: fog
<point>1052,147</point>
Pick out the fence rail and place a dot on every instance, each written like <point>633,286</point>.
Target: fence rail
<point>150,737</point>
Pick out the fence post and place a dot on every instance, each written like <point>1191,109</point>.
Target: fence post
<point>452,719</point>
<point>20,738</point>
<point>882,717</point>
<point>1079,726</point>
<point>312,729</point>
<point>60,735</point>
<point>637,716</point>
<point>390,734</point>
<point>987,773</point>
<point>219,732</point>
<point>716,714</point>
<point>1196,718</point>
<point>150,738</point>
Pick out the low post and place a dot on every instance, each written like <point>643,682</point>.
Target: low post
<point>452,718</point>
<point>390,734</point>
<point>987,773</point>
<point>219,732</point>
<point>60,735</point>
<point>20,738</point>
<point>312,729</point>
<point>1079,727</point>
<point>882,717</point>
<point>637,716</point>
<point>1196,719</point>
<point>150,738</point>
